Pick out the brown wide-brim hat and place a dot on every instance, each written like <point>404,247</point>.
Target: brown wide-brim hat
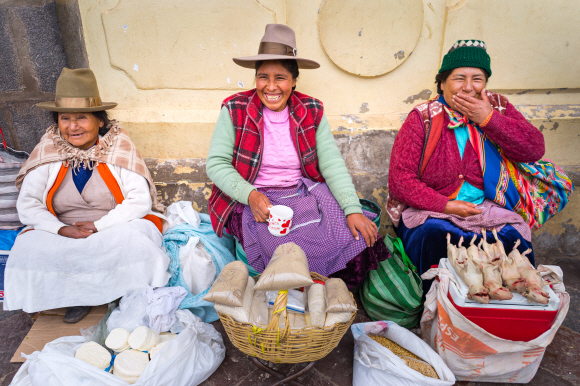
<point>278,43</point>
<point>76,92</point>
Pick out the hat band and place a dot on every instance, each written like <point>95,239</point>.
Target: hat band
<point>277,49</point>
<point>78,102</point>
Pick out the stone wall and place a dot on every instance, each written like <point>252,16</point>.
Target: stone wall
<point>31,59</point>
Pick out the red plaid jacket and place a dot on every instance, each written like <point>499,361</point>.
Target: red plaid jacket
<point>246,113</point>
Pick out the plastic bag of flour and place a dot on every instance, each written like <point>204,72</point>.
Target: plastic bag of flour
<point>336,317</point>
<point>229,288</point>
<point>287,269</point>
<point>338,297</point>
<point>240,314</point>
<point>317,305</point>
<point>259,309</point>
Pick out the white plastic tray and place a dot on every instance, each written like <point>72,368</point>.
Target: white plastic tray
<point>459,295</point>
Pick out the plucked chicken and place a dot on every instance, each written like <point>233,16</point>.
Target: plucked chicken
<point>533,290</point>
<point>492,250</point>
<point>509,271</point>
<point>468,270</point>
<point>492,276</point>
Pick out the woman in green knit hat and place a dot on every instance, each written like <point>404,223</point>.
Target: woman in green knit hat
<point>439,182</point>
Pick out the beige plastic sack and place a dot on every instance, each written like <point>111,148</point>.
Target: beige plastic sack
<point>288,269</point>
<point>230,285</point>
<point>338,298</point>
<point>259,310</point>
<point>473,354</point>
<point>240,314</point>
<point>317,304</point>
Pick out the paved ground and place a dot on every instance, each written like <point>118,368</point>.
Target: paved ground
<point>560,366</point>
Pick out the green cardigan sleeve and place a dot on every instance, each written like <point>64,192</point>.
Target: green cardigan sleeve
<point>334,171</point>
<point>219,166</point>
<point>221,172</point>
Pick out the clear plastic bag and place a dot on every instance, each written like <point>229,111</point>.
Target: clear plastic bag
<point>336,317</point>
<point>229,288</point>
<point>259,309</point>
<point>240,314</point>
<point>296,300</point>
<point>317,305</point>
<point>131,313</point>
<point>288,269</point>
<point>98,333</point>
<point>338,298</point>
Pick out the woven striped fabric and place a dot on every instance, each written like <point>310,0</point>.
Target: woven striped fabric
<point>393,292</point>
<point>537,191</point>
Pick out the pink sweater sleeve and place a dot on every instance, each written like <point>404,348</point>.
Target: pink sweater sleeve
<point>519,139</point>
<point>404,183</point>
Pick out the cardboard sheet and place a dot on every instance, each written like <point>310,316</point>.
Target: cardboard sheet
<point>49,326</point>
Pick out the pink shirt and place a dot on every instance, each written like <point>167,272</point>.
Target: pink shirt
<point>280,162</point>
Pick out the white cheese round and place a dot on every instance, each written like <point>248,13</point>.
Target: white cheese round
<point>130,364</point>
<point>94,354</point>
<point>143,339</point>
<point>118,340</point>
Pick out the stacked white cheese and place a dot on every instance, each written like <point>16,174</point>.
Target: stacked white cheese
<point>118,340</point>
<point>94,354</point>
<point>143,339</point>
<point>130,364</point>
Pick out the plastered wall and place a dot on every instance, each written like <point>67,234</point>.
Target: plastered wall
<point>168,65</point>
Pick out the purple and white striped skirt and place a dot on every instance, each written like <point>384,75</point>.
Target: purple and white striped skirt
<point>319,227</point>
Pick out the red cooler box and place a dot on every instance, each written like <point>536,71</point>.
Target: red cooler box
<point>516,319</point>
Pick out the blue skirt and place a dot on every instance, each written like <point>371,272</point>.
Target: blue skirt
<point>427,243</point>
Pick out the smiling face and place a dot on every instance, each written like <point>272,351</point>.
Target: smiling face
<point>467,80</point>
<point>274,85</point>
<point>79,129</point>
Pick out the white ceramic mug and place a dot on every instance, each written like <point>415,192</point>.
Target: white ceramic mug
<point>280,220</point>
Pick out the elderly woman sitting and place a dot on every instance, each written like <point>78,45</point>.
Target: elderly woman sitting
<point>91,208</point>
<point>438,172</point>
<point>273,146</point>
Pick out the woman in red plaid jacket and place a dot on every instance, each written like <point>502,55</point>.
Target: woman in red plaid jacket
<point>273,146</point>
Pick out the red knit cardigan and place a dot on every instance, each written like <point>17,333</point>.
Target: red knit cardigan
<point>518,138</point>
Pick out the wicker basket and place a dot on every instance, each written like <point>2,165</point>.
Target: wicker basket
<point>284,345</point>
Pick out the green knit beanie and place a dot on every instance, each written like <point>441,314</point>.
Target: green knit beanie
<point>467,53</point>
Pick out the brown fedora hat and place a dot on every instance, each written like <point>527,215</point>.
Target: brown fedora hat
<point>278,43</point>
<point>76,91</point>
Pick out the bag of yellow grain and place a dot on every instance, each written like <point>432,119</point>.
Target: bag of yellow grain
<point>388,354</point>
